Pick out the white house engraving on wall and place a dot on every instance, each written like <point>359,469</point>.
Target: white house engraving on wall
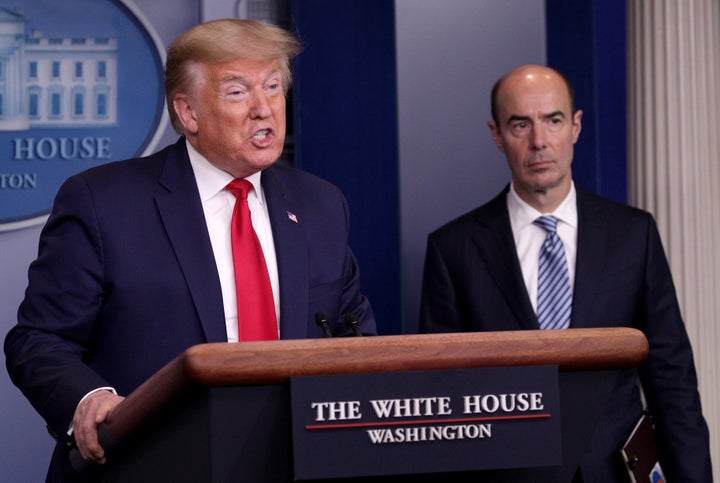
<point>51,82</point>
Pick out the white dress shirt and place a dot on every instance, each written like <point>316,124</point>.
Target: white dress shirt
<point>218,205</point>
<point>530,237</point>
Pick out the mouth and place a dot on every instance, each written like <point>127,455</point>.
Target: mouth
<point>540,163</point>
<point>263,137</point>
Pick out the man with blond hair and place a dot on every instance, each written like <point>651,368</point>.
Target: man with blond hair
<point>137,261</point>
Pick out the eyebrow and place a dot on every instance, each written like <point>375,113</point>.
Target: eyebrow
<point>231,77</point>
<point>516,117</point>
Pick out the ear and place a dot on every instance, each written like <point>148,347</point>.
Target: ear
<point>496,135</point>
<point>186,113</point>
<point>577,124</point>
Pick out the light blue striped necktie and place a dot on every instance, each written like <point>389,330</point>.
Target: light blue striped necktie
<point>554,299</point>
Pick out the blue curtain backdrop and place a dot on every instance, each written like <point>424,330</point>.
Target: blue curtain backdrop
<point>586,41</point>
<point>346,130</point>
<point>345,104</point>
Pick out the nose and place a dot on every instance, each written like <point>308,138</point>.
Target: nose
<point>538,137</point>
<point>259,105</point>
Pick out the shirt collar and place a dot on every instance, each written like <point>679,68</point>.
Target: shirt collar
<point>212,180</point>
<point>523,214</point>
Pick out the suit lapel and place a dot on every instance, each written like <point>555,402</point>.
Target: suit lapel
<point>592,250</point>
<point>181,211</point>
<point>494,240</point>
<point>286,219</point>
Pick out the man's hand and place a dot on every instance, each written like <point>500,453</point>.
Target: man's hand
<point>90,412</point>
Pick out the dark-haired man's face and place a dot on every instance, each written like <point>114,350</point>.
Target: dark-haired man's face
<point>537,131</point>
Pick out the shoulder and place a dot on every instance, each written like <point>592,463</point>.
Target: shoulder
<point>131,166</point>
<point>490,215</point>
<point>297,184</point>
<point>619,224</point>
<point>129,176</point>
<point>294,176</point>
<point>591,205</point>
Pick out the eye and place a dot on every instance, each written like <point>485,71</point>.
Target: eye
<point>519,127</point>
<point>233,90</point>
<point>274,87</point>
<point>556,122</point>
<point>234,93</point>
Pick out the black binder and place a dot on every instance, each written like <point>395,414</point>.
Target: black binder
<point>641,455</point>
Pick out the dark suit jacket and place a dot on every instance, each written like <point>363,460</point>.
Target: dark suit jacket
<point>473,282</point>
<point>125,278</point>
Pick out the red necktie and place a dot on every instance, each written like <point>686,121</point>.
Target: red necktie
<point>256,309</point>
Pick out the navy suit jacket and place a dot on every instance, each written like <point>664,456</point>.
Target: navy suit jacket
<point>473,282</point>
<point>125,279</point>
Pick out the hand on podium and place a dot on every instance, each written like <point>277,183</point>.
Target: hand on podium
<point>92,411</point>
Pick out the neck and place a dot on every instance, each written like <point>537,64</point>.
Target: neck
<point>545,200</point>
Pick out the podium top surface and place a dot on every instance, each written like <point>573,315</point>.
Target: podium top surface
<point>276,361</point>
<point>272,362</point>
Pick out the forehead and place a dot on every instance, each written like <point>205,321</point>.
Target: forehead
<point>243,69</point>
<point>530,95</point>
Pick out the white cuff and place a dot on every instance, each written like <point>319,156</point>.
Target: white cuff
<point>111,389</point>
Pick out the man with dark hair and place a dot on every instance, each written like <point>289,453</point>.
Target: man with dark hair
<point>545,254</point>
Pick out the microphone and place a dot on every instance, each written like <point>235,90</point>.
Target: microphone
<point>321,319</point>
<point>352,321</point>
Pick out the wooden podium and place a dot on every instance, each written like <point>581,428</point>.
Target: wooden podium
<point>221,412</point>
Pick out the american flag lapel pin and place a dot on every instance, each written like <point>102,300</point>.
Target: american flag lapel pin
<point>292,217</point>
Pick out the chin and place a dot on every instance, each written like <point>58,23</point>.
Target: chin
<point>261,164</point>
